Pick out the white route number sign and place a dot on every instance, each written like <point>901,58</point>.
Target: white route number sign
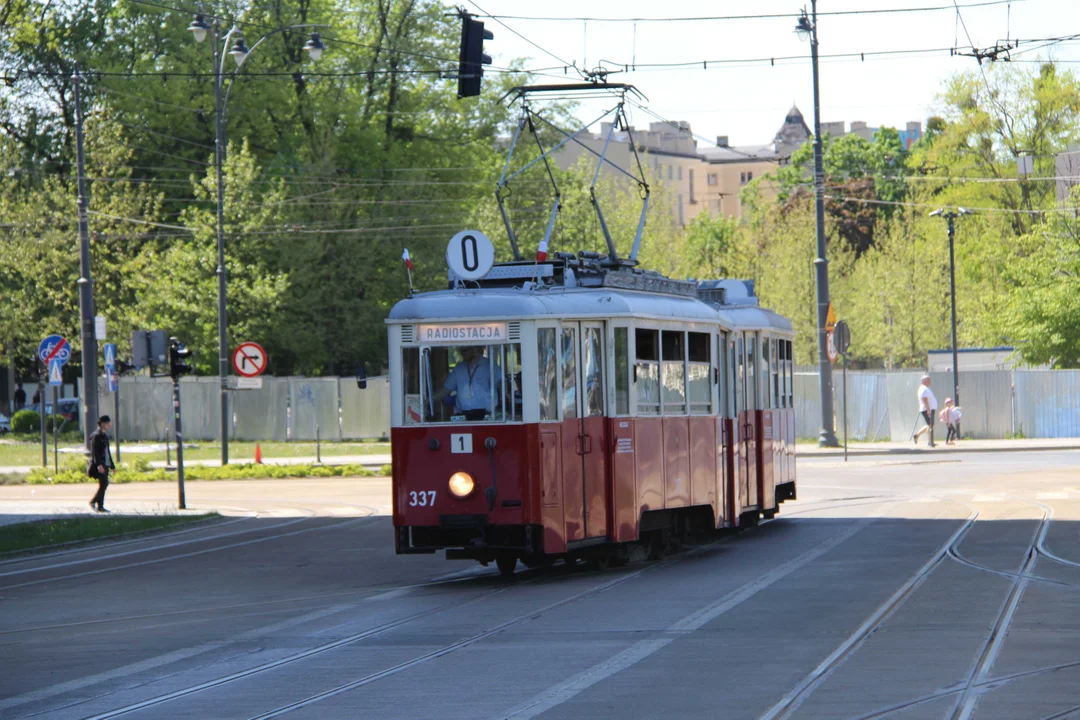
<point>470,254</point>
<point>249,360</point>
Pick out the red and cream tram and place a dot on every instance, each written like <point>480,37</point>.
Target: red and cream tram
<point>570,408</point>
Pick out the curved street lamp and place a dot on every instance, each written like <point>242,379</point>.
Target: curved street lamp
<point>240,52</point>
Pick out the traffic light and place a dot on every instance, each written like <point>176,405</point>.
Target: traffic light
<point>471,60</point>
<point>177,355</point>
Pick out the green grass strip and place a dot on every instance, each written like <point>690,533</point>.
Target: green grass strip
<point>43,533</point>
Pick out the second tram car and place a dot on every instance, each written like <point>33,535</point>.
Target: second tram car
<point>571,408</point>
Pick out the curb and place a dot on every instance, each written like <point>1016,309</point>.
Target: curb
<point>833,453</point>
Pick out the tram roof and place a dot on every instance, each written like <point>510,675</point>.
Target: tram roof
<point>469,304</point>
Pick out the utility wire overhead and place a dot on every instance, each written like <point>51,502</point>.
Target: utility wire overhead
<point>758,16</point>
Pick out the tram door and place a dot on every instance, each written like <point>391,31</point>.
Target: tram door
<point>745,395</point>
<point>583,392</point>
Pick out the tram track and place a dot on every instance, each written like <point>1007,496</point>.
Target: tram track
<point>806,687</point>
<point>171,558</point>
<point>522,581</point>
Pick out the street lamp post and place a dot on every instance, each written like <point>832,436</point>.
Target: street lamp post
<point>950,217</point>
<point>199,29</point>
<point>807,25</point>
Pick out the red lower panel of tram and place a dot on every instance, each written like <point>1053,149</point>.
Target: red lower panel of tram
<point>554,487</point>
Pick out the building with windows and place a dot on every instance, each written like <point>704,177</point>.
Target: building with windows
<point>708,178</point>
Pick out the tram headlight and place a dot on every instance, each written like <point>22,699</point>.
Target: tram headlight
<point>461,484</point>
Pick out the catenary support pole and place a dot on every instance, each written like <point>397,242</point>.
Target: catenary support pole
<point>827,437</point>
<point>845,407</point>
<point>89,399</point>
<point>223,336</point>
<point>952,291</point>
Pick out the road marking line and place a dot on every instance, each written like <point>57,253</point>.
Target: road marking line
<point>166,659</point>
<point>180,543</point>
<point>183,555</point>
<point>637,652</point>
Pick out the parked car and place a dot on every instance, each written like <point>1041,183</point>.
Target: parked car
<point>5,424</point>
<point>68,408</point>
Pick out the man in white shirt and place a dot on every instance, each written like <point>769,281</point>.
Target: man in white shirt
<point>927,408</point>
<point>470,381</point>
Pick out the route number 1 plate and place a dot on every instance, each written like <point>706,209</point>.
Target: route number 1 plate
<point>461,442</point>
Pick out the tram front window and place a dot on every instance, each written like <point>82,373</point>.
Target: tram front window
<point>463,383</point>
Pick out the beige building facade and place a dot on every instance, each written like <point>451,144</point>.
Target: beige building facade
<point>709,178</point>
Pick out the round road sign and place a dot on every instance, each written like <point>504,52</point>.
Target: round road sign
<point>54,347</point>
<point>470,254</point>
<point>249,359</point>
<point>830,347</point>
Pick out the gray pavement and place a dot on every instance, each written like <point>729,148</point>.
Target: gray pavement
<point>901,587</point>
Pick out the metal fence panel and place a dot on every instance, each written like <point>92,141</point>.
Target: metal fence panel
<point>145,408</point>
<point>986,401</point>
<point>867,406</point>
<point>807,406</point>
<point>365,413</point>
<point>902,392</point>
<point>261,415</point>
<point>313,403</point>
<point>201,400</point>
<point>1048,403</point>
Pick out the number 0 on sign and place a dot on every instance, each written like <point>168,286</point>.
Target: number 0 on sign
<point>470,254</point>
<point>249,360</point>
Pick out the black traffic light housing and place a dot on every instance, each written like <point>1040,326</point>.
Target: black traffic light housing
<point>471,60</point>
<point>177,355</point>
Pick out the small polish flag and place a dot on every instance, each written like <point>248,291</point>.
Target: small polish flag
<point>407,259</point>
<point>541,252</point>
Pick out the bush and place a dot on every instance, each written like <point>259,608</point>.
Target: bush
<point>57,422</point>
<point>25,421</point>
<point>76,473</point>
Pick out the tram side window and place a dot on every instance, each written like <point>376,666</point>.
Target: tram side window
<point>410,381</point>
<point>547,366</point>
<point>791,373</point>
<point>569,373</point>
<point>751,373</point>
<point>777,366</point>
<point>622,371</point>
<point>699,372</point>
<point>647,371</point>
<point>738,373</point>
<point>592,372</point>
<point>766,373</point>
<point>673,373</point>
<point>782,388</point>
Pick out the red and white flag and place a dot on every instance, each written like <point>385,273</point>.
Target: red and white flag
<point>541,252</point>
<point>407,259</point>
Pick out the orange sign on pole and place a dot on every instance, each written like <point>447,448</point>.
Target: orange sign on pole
<point>830,319</point>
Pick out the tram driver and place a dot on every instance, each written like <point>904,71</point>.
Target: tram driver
<point>471,383</point>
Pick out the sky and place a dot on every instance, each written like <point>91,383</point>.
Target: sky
<point>748,102</point>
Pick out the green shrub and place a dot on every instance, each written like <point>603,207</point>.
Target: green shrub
<point>58,421</point>
<point>76,473</point>
<point>25,421</point>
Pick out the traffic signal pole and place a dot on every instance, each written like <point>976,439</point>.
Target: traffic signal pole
<point>179,442</point>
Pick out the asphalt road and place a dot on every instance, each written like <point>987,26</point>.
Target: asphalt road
<point>926,588</point>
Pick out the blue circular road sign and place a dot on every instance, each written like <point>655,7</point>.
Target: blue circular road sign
<point>54,347</point>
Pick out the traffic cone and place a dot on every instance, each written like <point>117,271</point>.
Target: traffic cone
<point>258,454</point>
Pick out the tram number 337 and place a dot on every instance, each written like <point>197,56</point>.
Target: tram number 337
<point>424,498</point>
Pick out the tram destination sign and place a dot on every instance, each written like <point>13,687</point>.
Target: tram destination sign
<point>463,333</point>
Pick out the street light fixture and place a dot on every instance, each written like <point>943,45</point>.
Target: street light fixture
<point>314,46</point>
<point>234,40</point>
<point>950,216</point>
<point>199,27</point>
<point>807,27</point>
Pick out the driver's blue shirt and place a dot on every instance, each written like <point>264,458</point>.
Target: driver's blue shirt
<point>472,383</point>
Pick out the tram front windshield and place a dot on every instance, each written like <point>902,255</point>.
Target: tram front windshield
<point>462,383</point>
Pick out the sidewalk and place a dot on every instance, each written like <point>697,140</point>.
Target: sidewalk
<point>962,446</point>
